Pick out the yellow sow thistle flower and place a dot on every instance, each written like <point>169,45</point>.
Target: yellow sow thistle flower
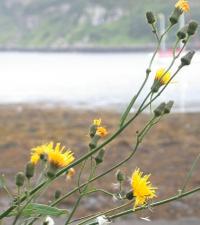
<point>183,5</point>
<point>39,151</point>
<point>59,158</point>
<point>97,122</point>
<point>101,131</point>
<point>142,188</point>
<point>162,76</point>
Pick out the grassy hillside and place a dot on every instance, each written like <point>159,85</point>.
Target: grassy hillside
<point>60,23</point>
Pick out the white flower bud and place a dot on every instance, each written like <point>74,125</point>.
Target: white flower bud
<point>102,220</point>
<point>49,221</point>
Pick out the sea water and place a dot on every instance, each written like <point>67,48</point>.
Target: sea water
<point>91,79</point>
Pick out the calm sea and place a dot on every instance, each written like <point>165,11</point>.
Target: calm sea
<point>90,80</point>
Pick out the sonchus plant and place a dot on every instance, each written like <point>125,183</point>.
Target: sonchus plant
<point>50,161</point>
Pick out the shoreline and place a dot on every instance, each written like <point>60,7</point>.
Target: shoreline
<point>115,108</point>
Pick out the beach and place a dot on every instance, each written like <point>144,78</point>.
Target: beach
<point>167,153</point>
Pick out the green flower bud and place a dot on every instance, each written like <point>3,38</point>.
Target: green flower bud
<point>186,60</point>
<point>94,141</point>
<point>182,33</point>
<point>148,71</point>
<point>51,171</point>
<point>168,107</point>
<point>93,129</point>
<point>19,179</point>
<point>192,28</point>
<point>150,17</point>
<point>159,110</point>
<point>130,195</point>
<point>156,86</point>
<point>99,158</point>
<point>175,16</point>
<point>30,169</point>
<point>57,194</point>
<point>120,176</point>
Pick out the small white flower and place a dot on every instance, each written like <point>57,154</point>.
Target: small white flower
<point>145,218</point>
<point>49,220</point>
<point>102,220</point>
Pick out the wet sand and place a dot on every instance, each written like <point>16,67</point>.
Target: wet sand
<point>167,153</point>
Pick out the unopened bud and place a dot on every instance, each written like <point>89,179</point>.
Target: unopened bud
<point>159,110</point>
<point>175,16</point>
<point>120,176</point>
<point>186,60</point>
<point>99,158</point>
<point>182,33</point>
<point>20,178</point>
<point>150,17</point>
<point>148,71</point>
<point>57,194</point>
<point>130,195</point>
<point>94,141</point>
<point>192,28</point>
<point>168,107</point>
<point>93,129</point>
<point>51,171</point>
<point>30,169</point>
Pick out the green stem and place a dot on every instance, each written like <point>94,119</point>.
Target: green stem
<point>189,175</point>
<point>74,209</point>
<point>170,199</point>
<point>125,114</point>
<point>102,213</point>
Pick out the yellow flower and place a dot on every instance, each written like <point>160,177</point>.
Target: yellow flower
<point>101,131</point>
<point>70,174</point>
<point>162,76</point>
<point>59,158</point>
<point>97,122</point>
<point>183,5</point>
<point>142,188</point>
<point>35,158</point>
<point>38,151</point>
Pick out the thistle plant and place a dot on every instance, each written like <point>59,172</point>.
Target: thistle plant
<point>50,161</point>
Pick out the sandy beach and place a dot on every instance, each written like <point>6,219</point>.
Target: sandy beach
<point>167,153</point>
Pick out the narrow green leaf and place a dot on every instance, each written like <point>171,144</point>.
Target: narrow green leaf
<point>44,210</point>
<point>124,116</point>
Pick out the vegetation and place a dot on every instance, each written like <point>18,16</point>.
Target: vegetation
<point>49,162</point>
<point>63,23</point>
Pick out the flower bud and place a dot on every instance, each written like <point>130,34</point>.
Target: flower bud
<point>51,171</point>
<point>20,178</point>
<point>94,141</point>
<point>99,158</point>
<point>159,110</point>
<point>92,131</point>
<point>30,169</point>
<point>175,16</point>
<point>120,176</point>
<point>168,107</point>
<point>130,195</point>
<point>186,60</point>
<point>150,17</point>
<point>192,27</point>
<point>57,194</point>
<point>182,33</point>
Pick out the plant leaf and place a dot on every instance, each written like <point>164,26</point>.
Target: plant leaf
<point>44,210</point>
